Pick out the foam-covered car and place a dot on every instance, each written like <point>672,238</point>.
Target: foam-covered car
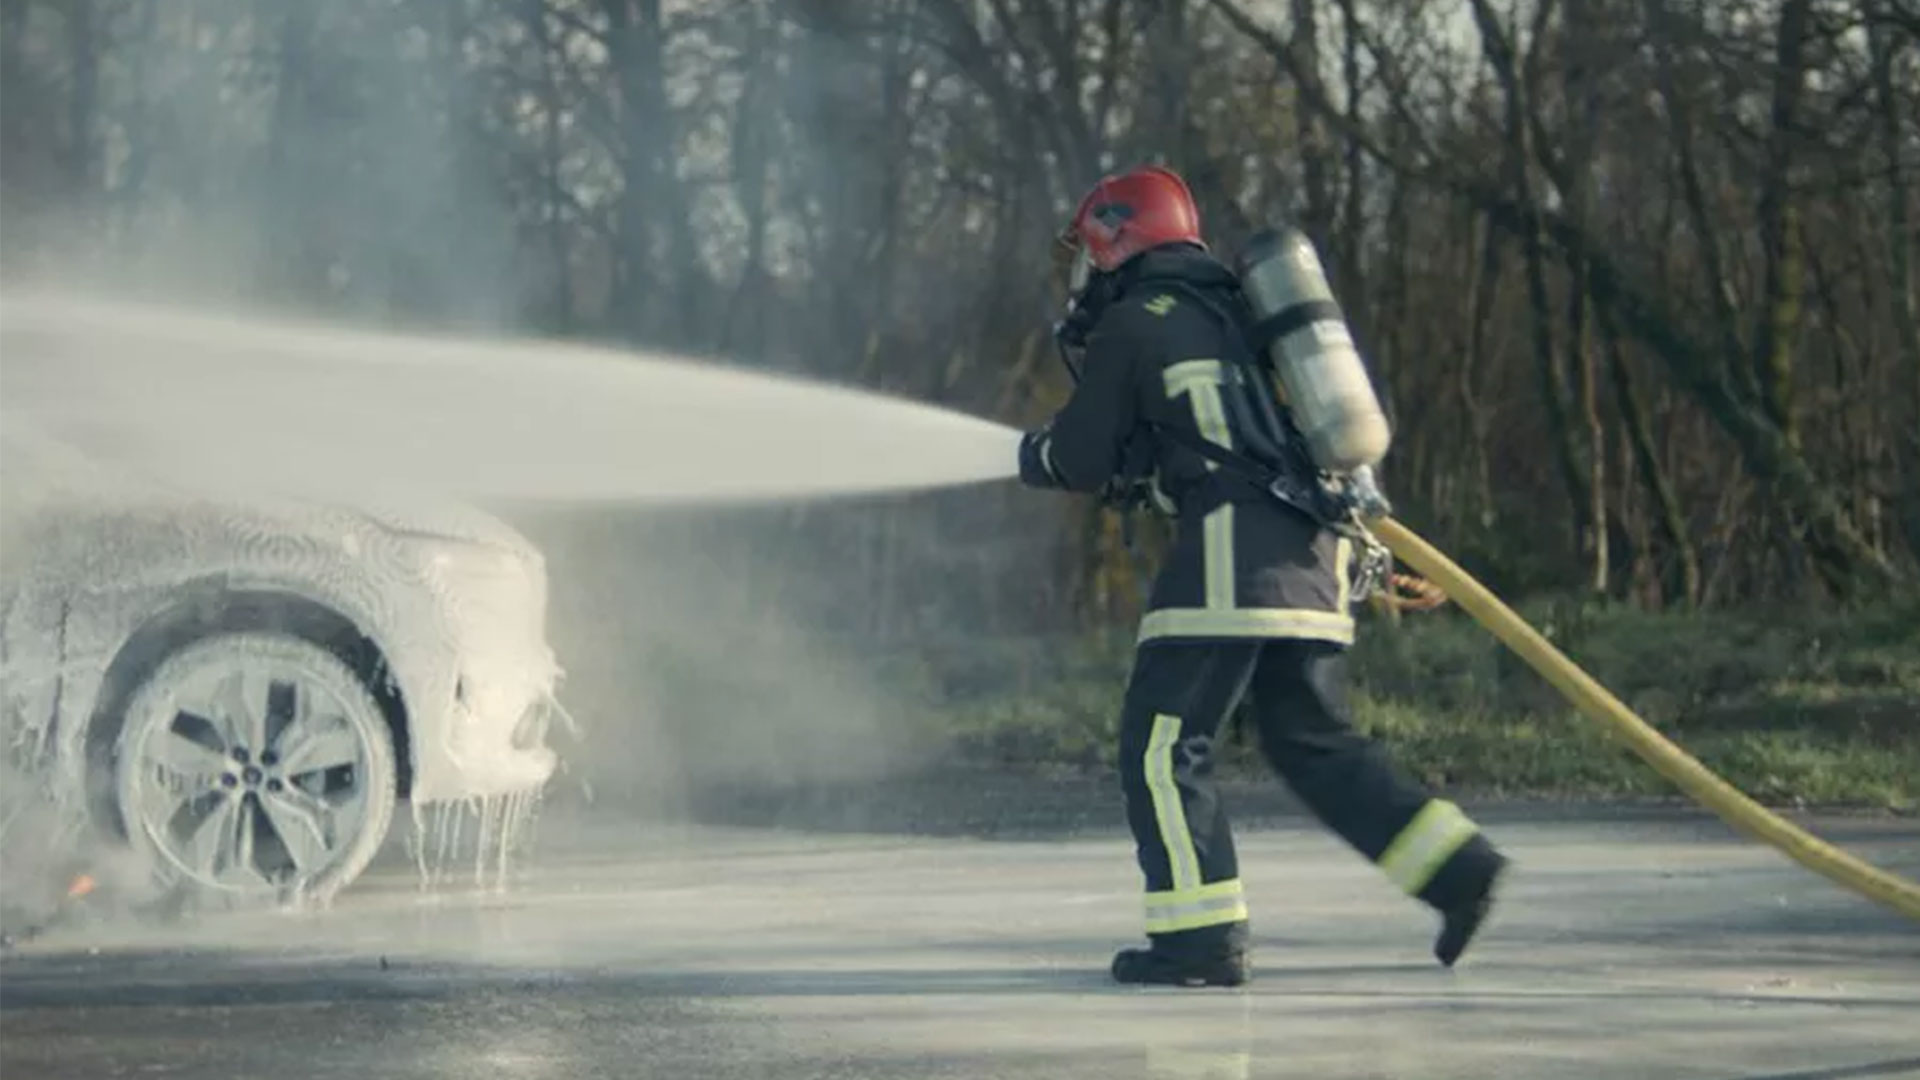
<point>242,689</point>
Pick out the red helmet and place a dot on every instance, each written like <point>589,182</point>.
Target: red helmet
<point>1128,213</point>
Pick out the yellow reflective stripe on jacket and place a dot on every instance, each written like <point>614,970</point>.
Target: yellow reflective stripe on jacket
<point>1189,909</point>
<point>1425,845</point>
<point>1200,380</point>
<point>1306,623</point>
<point>1342,575</point>
<point>1217,557</point>
<point>1183,862</point>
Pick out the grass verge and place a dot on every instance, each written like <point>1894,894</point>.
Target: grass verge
<point>1794,709</point>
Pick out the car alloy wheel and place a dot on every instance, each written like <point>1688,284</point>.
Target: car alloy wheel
<point>256,765</point>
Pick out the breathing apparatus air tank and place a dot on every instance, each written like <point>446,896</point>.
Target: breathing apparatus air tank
<point>1325,382</point>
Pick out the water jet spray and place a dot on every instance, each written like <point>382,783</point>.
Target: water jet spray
<point>306,409</point>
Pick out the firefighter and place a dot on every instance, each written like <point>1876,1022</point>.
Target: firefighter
<point>1252,602</point>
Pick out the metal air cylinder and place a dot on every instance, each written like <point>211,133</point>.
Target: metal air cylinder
<point>1320,371</point>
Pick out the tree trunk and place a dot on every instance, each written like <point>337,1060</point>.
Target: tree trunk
<point>1555,394</point>
<point>139,124</point>
<point>1853,422</point>
<point>1672,518</point>
<point>1679,106</point>
<point>1581,116</point>
<point>1387,299</point>
<point>1779,225</point>
<point>1588,442</point>
<point>1483,285</point>
<point>1059,37</point>
<point>1352,218</point>
<point>1113,58</point>
<point>559,306</point>
<point>1845,561</point>
<point>1902,236</point>
<point>1310,130</point>
<point>897,110</point>
<point>744,332</point>
<point>289,211</point>
<point>86,39</point>
<point>21,186</point>
<point>660,301</point>
<point>83,68</point>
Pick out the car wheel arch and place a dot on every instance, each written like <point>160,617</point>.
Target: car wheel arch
<point>217,607</point>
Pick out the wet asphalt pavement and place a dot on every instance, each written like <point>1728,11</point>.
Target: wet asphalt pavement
<point>1629,945</point>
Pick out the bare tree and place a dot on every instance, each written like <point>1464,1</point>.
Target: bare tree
<point>1636,277</point>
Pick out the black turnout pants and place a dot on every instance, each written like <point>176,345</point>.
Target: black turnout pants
<point>1180,694</point>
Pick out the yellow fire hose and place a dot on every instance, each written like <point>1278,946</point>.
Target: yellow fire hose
<point>1669,760</point>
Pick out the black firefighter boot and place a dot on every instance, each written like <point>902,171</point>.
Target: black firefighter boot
<point>1213,956</point>
<point>1151,967</point>
<point>1465,901</point>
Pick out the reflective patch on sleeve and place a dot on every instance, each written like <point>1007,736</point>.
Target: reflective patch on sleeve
<point>1046,460</point>
<point>1189,909</point>
<point>1425,845</point>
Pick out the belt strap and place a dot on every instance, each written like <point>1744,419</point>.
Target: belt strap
<point>1244,479</point>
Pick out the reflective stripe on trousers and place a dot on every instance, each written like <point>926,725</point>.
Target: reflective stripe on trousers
<point>1418,851</point>
<point>1191,909</point>
<point>1190,904</point>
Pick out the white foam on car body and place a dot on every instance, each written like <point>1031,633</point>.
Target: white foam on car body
<point>285,409</point>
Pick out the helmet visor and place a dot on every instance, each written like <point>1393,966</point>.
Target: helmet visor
<point>1068,256</point>
<point>1079,271</point>
<point>1072,265</point>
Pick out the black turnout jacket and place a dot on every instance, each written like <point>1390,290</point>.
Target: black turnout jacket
<point>1162,366</point>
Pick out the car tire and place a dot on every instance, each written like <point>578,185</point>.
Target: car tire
<point>255,767</point>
